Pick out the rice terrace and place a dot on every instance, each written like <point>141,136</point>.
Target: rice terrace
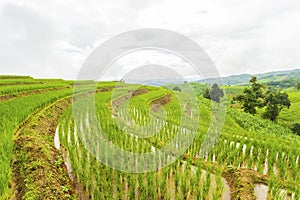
<point>47,152</point>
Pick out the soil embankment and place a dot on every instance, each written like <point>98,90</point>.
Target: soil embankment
<point>38,167</point>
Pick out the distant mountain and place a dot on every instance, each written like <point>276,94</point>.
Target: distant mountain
<point>269,77</point>
<point>155,82</point>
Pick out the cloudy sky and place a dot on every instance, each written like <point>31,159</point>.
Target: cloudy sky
<point>52,38</point>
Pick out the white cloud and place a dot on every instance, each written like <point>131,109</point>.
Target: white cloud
<point>53,38</point>
<point>168,62</point>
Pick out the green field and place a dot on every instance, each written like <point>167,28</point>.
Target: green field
<point>44,153</point>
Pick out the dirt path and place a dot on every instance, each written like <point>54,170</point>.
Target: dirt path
<point>38,168</point>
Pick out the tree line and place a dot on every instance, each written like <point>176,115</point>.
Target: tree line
<point>254,97</point>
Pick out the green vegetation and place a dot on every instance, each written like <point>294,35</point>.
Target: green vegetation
<point>298,86</point>
<point>255,97</point>
<point>288,117</point>
<point>8,77</point>
<point>281,79</point>
<point>251,150</point>
<point>275,101</point>
<point>196,87</point>
<point>35,160</point>
<point>13,114</point>
<point>251,97</point>
<point>296,128</point>
<point>176,88</point>
<point>214,93</point>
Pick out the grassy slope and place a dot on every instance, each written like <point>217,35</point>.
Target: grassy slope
<point>291,115</point>
<point>291,75</point>
<point>12,120</point>
<point>233,127</point>
<point>38,169</point>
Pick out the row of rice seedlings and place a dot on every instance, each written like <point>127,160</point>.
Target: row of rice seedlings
<point>105,185</point>
<point>278,192</point>
<point>13,114</point>
<point>9,89</point>
<point>160,186</point>
<point>257,155</point>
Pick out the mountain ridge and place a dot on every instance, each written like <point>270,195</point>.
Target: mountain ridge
<point>242,79</point>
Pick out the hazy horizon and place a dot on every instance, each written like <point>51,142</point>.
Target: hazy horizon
<point>143,80</point>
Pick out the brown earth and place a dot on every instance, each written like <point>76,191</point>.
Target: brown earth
<point>242,182</point>
<point>117,102</point>
<point>21,83</point>
<point>38,167</point>
<point>39,171</point>
<point>157,103</point>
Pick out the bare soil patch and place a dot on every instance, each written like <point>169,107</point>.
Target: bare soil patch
<point>38,167</point>
<point>157,103</point>
<point>119,101</point>
<point>242,182</point>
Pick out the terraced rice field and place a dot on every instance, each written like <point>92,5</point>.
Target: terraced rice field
<point>44,153</point>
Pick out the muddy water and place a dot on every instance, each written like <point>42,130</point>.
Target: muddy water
<point>261,191</point>
<point>64,154</point>
<point>226,192</point>
<point>80,192</point>
<point>225,195</point>
<point>56,139</point>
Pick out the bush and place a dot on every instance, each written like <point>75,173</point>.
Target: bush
<point>296,128</point>
<point>176,88</point>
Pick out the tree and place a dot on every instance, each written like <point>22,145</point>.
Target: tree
<point>176,88</point>
<point>215,93</point>
<point>298,86</point>
<point>206,93</point>
<point>296,128</point>
<point>251,97</point>
<point>255,97</point>
<point>275,101</point>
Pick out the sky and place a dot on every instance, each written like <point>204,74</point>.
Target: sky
<point>53,38</point>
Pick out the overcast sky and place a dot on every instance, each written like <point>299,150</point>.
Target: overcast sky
<point>52,38</point>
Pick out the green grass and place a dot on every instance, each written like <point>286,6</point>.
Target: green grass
<point>177,179</point>
<point>239,128</point>
<point>292,115</point>
<point>13,114</point>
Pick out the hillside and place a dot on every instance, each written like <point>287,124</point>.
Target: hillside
<point>48,149</point>
<point>286,78</point>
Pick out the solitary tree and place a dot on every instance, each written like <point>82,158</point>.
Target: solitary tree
<point>275,101</point>
<point>176,88</point>
<point>298,86</point>
<point>251,97</point>
<point>215,93</point>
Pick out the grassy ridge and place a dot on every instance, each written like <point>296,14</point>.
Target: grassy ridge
<point>292,115</point>
<point>13,113</point>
